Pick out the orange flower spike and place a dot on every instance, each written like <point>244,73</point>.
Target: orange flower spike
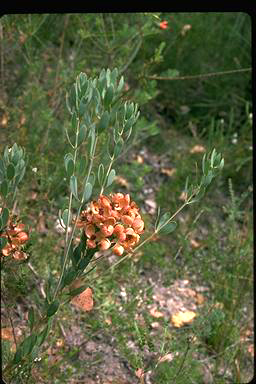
<point>118,249</point>
<point>104,244</point>
<point>89,230</point>
<point>138,225</point>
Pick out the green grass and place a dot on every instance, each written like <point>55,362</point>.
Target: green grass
<point>37,72</point>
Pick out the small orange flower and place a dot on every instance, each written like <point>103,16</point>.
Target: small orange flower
<point>107,230</point>
<point>138,225</point>
<point>163,24</point>
<point>89,230</point>
<point>91,243</point>
<point>118,249</point>
<point>104,244</point>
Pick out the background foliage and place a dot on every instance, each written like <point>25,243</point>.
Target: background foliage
<point>40,57</point>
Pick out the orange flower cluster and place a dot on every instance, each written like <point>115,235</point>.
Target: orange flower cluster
<point>16,237</point>
<point>112,221</point>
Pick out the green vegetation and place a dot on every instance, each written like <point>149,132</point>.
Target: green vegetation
<point>212,248</point>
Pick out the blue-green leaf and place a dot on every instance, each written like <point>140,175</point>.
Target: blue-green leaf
<point>111,177</point>
<point>73,185</point>
<point>168,228</point>
<point>87,192</point>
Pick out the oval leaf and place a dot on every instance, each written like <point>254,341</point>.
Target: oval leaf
<point>4,217</point>
<point>111,177</point>
<point>168,228</point>
<point>103,123</point>
<point>87,192</point>
<point>10,172</point>
<point>53,308</point>
<point>73,185</point>
<point>4,188</point>
<point>65,216</point>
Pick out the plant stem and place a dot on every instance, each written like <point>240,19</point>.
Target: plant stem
<point>109,169</point>
<point>67,245</point>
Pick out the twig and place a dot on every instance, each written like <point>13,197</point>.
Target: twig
<point>203,75</point>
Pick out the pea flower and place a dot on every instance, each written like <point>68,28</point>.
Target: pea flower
<point>163,24</point>
<point>112,222</point>
<point>16,238</point>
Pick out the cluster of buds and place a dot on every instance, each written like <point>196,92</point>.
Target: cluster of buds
<point>16,238</point>
<point>112,221</point>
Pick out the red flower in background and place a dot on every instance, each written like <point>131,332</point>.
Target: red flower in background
<point>163,24</point>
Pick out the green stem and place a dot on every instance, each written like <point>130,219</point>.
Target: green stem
<point>106,177</point>
<point>67,244</point>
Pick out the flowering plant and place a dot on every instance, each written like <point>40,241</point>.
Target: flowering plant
<point>106,221</point>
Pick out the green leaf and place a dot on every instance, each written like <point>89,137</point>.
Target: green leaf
<point>53,308</point>
<point>70,167</point>
<point>3,242</point>
<point>69,276</point>
<point>31,317</point>
<point>4,188</point>
<point>18,355</point>
<point>92,140</point>
<point>168,228</point>
<point>73,185</point>
<point>65,217</point>
<point>101,174</point>
<point>103,123</point>
<point>82,165</point>
<point>28,344</point>
<point>82,134</point>
<point>118,147</point>
<point>42,335</point>
<point>4,216</point>
<point>111,177</point>
<point>166,216</point>
<point>120,85</point>
<point>86,260</point>
<point>82,109</point>
<point>109,95</point>
<point>10,171</point>
<point>78,290</point>
<point>87,192</point>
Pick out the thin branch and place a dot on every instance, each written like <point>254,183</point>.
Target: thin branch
<point>203,75</point>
